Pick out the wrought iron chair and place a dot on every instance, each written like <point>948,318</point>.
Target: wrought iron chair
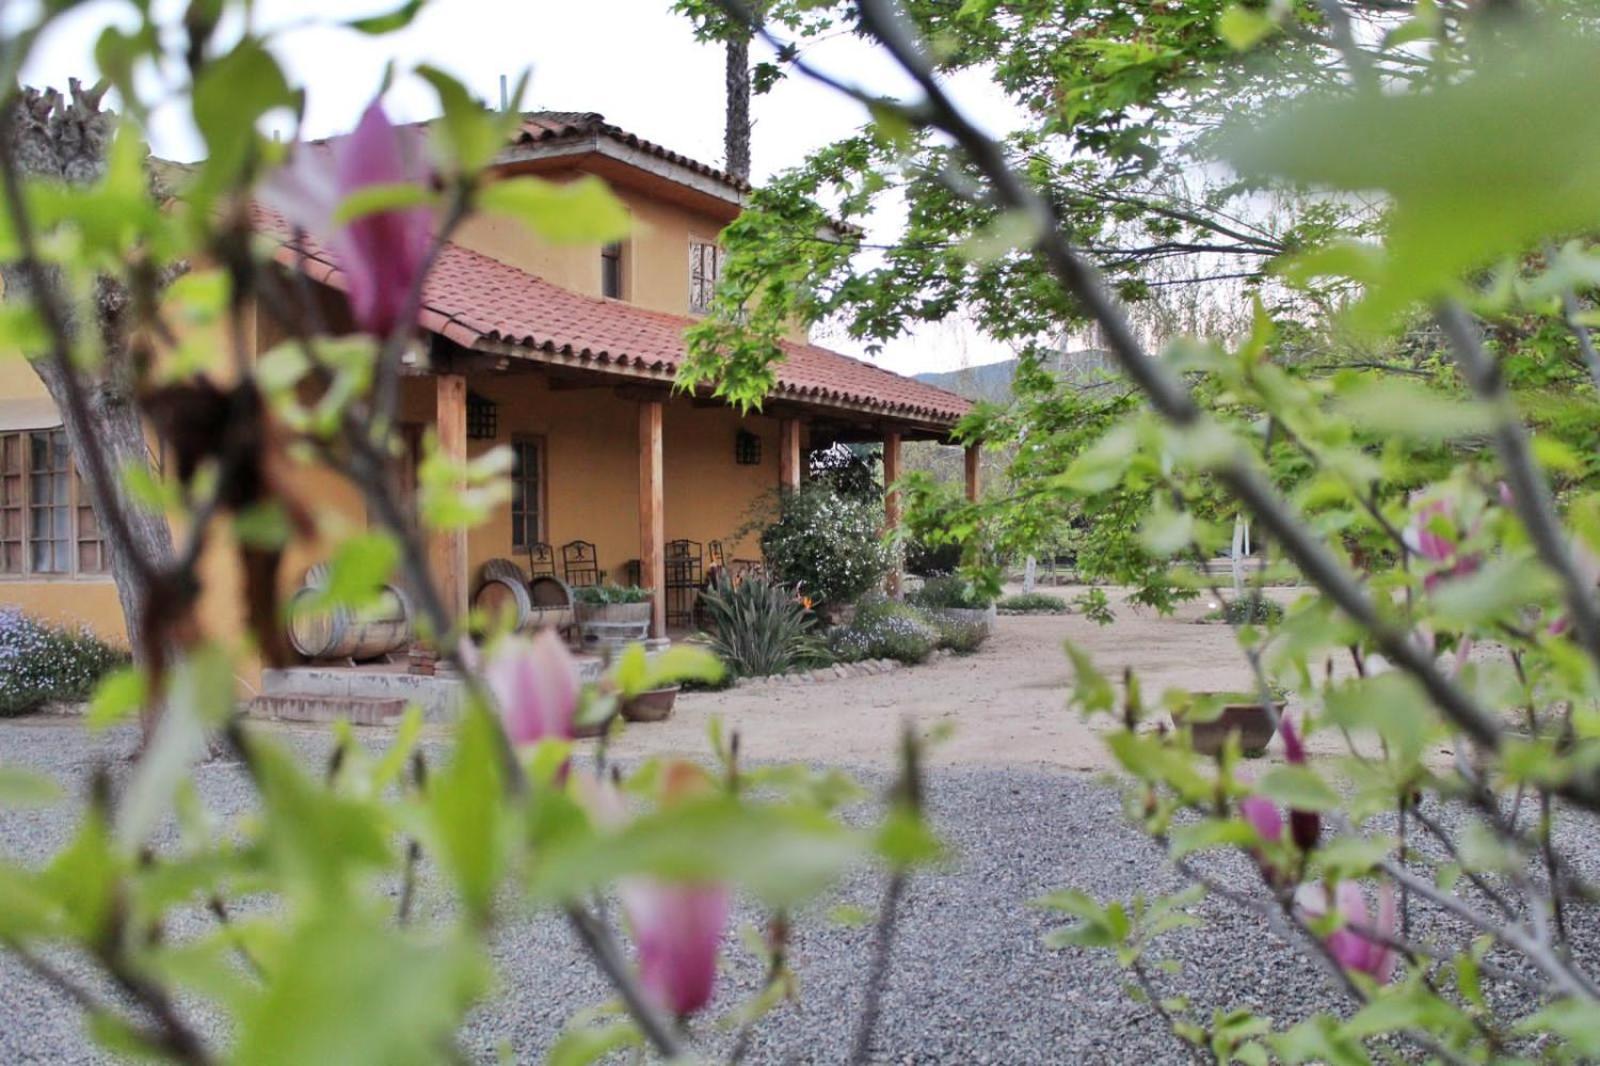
<point>580,565</point>
<point>541,560</point>
<point>685,562</point>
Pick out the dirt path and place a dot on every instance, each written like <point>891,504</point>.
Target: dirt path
<point>1007,702</point>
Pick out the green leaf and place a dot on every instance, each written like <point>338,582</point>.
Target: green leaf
<point>1298,787</point>
<point>1577,1023</point>
<point>351,989</point>
<point>374,199</point>
<point>1391,406</point>
<point>1478,167</point>
<point>1166,531</point>
<point>1243,28</point>
<point>120,693</point>
<point>360,568</point>
<point>583,211</point>
<point>24,788</point>
<point>466,804</point>
<point>472,134</point>
<point>1211,833</point>
<point>389,21</point>
<point>1500,588</point>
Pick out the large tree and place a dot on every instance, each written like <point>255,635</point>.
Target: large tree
<point>65,139</point>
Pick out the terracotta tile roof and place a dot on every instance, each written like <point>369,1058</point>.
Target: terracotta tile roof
<point>480,302</point>
<point>539,127</point>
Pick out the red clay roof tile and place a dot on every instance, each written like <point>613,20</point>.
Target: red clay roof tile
<point>478,301</point>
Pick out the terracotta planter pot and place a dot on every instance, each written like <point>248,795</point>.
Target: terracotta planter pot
<point>1251,721</point>
<point>653,706</point>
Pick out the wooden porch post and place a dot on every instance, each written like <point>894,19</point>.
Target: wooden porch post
<point>449,546</point>
<point>652,516</point>
<point>974,485</point>
<point>891,498</point>
<point>789,454</point>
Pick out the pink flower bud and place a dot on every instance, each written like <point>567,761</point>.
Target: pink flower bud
<point>381,254</point>
<point>678,929</point>
<point>1358,945</point>
<point>536,684</point>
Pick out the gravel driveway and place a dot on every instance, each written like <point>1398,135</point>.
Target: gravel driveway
<point>971,980</point>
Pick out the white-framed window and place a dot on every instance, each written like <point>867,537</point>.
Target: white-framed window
<point>705,267</point>
<point>48,527</point>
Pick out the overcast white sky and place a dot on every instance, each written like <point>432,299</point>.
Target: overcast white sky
<point>632,60</point>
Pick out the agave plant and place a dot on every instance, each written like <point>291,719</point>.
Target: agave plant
<point>759,627</point>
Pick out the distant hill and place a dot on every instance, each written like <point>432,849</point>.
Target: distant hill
<point>992,381</point>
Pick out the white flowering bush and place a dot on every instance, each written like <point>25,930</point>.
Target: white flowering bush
<point>40,663</point>
<point>827,545</point>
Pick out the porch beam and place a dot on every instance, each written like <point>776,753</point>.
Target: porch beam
<point>448,547</point>
<point>652,516</point>
<point>789,454</point>
<point>891,498</point>
<point>974,458</point>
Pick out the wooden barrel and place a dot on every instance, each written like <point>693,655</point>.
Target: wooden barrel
<point>552,603</point>
<point>341,633</point>
<point>504,590</point>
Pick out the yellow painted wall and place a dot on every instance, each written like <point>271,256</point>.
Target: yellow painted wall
<point>591,439</point>
<point>655,253</point>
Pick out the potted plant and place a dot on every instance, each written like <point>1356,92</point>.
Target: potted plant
<point>652,706</point>
<point>1211,716</point>
<point>611,612</point>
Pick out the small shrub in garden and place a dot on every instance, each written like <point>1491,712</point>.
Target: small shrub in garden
<point>960,635</point>
<point>1253,610</point>
<point>759,627</point>
<point>1033,603</point>
<point>827,545</point>
<point>41,663</point>
<point>885,630</point>
<point>949,590</point>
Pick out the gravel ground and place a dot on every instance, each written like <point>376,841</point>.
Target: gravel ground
<point>971,981</point>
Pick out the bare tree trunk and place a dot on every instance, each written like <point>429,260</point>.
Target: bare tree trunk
<point>736,129</point>
<point>65,139</point>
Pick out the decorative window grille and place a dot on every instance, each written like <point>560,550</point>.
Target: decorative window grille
<point>747,448</point>
<point>483,417</point>
<point>705,267</point>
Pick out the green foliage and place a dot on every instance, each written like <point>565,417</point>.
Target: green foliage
<point>41,663</point>
<point>949,590</point>
<point>1032,603</point>
<point>826,545</point>
<point>604,594</point>
<point>758,627</point>
<point>884,629</point>
<point>956,633</point>
<point>1251,609</point>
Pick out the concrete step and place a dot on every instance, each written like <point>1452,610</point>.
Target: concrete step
<point>311,707</point>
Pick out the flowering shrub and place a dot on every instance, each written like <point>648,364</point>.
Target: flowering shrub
<point>41,663</point>
<point>885,630</point>
<point>826,544</point>
<point>960,635</point>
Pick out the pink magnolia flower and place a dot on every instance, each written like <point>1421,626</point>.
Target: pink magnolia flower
<point>381,253</point>
<point>678,928</point>
<point>536,684</point>
<point>1305,827</point>
<point>1350,944</point>
<point>1439,548</point>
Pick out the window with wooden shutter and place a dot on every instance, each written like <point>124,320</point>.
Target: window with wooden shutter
<point>527,492</point>
<point>705,267</point>
<point>12,504</point>
<point>92,558</point>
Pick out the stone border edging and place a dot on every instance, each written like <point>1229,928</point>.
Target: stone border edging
<point>838,671</point>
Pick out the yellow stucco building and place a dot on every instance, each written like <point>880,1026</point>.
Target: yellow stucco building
<point>567,355</point>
